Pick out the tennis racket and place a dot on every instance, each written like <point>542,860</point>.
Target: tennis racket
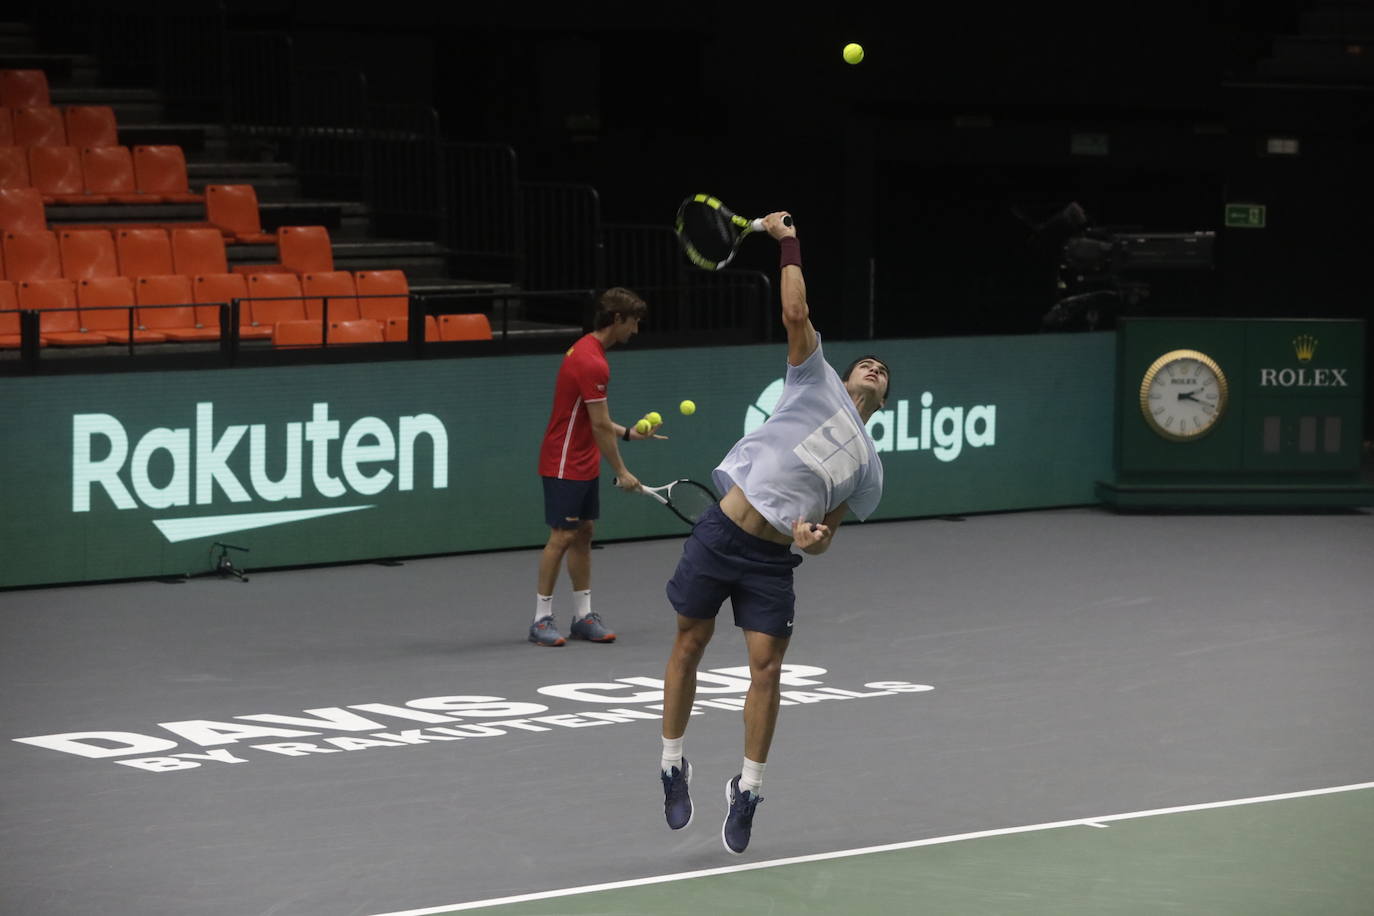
<point>711,232</point>
<point>685,498</point>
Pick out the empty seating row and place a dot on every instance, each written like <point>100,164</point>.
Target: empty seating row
<point>74,125</point>
<point>77,254</point>
<point>233,209</point>
<point>99,174</point>
<point>120,310</point>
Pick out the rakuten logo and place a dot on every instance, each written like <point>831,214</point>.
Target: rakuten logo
<point>371,456</point>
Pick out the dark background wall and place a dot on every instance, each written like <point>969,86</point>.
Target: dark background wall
<point>913,175</point>
<point>916,176</point>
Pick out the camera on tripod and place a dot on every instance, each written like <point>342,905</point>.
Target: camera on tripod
<point>1102,271</point>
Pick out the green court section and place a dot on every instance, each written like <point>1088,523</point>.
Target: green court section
<point>141,474</point>
<point>1278,858</point>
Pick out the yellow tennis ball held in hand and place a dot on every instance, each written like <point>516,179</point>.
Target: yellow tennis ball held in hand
<point>853,53</point>
<point>643,427</point>
<point>654,417</point>
<point>687,407</point>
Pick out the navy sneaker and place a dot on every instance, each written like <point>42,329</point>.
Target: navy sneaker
<point>739,818</point>
<point>591,628</point>
<point>677,804</point>
<point>544,632</point>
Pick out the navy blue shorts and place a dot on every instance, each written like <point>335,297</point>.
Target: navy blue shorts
<point>719,561</point>
<point>569,503</point>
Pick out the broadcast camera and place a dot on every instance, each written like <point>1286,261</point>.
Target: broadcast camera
<point>1100,270</point>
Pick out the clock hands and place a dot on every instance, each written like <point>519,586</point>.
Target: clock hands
<point>1188,396</point>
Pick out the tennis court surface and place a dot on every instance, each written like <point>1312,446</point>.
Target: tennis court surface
<point>1034,712</point>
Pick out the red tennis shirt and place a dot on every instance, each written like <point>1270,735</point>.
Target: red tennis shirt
<point>569,451</point>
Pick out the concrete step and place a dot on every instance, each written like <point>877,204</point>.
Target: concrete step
<point>415,268</point>
<point>210,171</point>
<point>62,69</point>
<point>16,38</point>
<point>64,214</point>
<point>195,140</point>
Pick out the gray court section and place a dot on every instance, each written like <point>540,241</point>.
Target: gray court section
<point>1082,663</point>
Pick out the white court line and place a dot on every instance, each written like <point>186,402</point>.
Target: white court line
<point>868,850</point>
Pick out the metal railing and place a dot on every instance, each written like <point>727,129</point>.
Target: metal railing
<point>562,235</point>
<point>407,192</point>
<point>329,123</point>
<point>175,45</point>
<point>483,220</point>
<point>260,114</point>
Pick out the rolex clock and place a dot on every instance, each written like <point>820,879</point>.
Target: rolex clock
<point>1183,394</point>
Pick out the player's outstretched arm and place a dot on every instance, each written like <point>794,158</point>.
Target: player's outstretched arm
<point>604,431</point>
<point>796,314</point>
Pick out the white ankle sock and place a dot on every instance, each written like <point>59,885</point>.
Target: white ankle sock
<point>582,604</point>
<point>543,606</point>
<point>751,776</point>
<point>672,754</point>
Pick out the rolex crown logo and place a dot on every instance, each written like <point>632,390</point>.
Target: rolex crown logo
<point>1305,346</point>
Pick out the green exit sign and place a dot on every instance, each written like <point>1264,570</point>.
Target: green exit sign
<point>1245,216</point>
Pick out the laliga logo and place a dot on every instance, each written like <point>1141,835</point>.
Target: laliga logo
<point>944,432</point>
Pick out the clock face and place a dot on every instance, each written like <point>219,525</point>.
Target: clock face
<point>1183,394</point>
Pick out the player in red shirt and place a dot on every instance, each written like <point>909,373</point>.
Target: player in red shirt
<point>580,433</point>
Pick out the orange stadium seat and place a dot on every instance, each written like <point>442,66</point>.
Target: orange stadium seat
<point>107,304</point>
<point>56,172</point>
<point>9,316</point>
<point>21,210</point>
<point>305,249</point>
<point>298,333</point>
<point>356,331</point>
<point>233,208</point>
<point>109,171</point>
<point>310,333</point>
<point>273,298</point>
<point>32,256</point>
<point>144,252</point>
<point>14,167</point>
<point>91,125</point>
<point>87,253</point>
<point>60,324</point>
<point>177,318</point>
<point>24,88</point>
<point>42,126</point>
<point>199,251</point>
<point>217,288</point>
<point>398,328</point>
<point>337,285</point>
<point>464,327</point>
<point>160,171</point>
<point>385,294</point>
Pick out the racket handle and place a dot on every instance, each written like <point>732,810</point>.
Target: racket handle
<point>757,225</point>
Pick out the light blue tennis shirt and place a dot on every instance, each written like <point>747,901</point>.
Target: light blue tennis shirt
<point>812,454</point>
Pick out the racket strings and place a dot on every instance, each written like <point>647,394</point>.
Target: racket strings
<point>690,499</point>
<point>708,231</point>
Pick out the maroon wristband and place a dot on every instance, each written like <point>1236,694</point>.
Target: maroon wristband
<point>789,251</point>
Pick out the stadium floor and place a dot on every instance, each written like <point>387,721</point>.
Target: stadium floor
<point>369,739</point>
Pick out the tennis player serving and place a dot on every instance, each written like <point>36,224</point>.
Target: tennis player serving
<point>789,482</point>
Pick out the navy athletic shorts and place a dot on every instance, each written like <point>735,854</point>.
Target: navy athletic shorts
<point>719,561</point>
<point>569,503</point>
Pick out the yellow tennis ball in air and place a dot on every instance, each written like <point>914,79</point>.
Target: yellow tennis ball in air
<point>687,407</point>
<point>643,427</point>
<point>654,417</point>
<point>853,52</point>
